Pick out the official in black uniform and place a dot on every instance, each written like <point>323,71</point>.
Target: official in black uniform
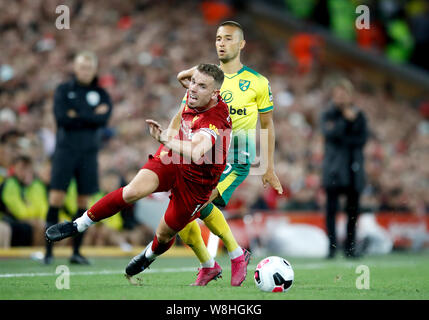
<point>81,109</point>
<point>344,128</point>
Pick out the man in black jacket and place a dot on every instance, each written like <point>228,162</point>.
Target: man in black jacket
<point>344,128</point>
<point>81,109</point>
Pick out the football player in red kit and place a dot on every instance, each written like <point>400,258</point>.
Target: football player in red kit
<point>188,164</point>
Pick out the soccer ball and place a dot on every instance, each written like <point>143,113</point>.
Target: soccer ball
<point>274,274</point>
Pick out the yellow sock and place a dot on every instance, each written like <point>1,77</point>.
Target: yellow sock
<point>191,235</point>
<point>217,224</point>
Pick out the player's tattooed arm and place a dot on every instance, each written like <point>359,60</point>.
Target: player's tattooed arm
<point>184,77</point>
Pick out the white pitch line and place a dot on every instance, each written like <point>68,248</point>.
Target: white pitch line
<point>93,273</point>
<point>370,264</point>
<point>194,269</point>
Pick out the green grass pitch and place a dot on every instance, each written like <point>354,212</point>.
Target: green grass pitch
<point>391,277</point>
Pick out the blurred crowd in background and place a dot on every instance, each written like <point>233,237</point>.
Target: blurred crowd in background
<point>142,45</point>
<point>398,28</point>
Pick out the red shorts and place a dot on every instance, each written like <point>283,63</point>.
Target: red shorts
<point>186,196</point>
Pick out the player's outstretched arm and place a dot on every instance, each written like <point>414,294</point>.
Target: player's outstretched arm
<point>270,175</point>
<point>192,150</point>
<point>184,77</point>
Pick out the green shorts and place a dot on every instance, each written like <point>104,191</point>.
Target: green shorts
<point>231,178</point>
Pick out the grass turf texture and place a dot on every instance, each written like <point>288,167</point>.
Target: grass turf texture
<point>395,276</point>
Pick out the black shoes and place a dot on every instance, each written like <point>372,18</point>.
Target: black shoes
<point>331,255</point>
<point>61,231</point>
<point>48,259</point>
<point>76,258</point>
<point>348,254</point>
<point>332,251</point>
<point>138,264</point>
<point>352,254</point>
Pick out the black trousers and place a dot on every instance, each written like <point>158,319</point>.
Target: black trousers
<point>352,210</point>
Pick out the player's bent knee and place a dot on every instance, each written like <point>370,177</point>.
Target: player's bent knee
<point>143,184</point>
<point>163,237</point>
<point>164,233</point>
<point>130,194</point>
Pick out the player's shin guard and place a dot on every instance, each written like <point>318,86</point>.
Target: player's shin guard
<point>191,235</point>
<point>217,224</point>
<point>107,206</point>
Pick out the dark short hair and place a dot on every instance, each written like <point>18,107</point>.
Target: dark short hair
<point>212,70</point>
<point>233,24</point>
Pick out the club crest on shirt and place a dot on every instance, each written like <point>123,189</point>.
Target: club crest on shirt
<point>213,127</point>
<point>244,84</point>
<point>93,98</point>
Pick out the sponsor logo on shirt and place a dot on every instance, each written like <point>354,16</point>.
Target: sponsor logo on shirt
<point>238,111</point>
<point>227,96</point>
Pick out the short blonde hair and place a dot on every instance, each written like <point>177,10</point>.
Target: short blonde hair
<point>344,83</point>
<point>87,55</point>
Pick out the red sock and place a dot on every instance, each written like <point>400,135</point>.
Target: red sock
<point>107,206</point>
<point>159,248</point>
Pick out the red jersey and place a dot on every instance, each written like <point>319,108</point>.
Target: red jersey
<point>192,183</point>
<point>216,124</point>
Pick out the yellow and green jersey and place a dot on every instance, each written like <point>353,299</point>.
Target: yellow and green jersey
<point>247,94</point>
